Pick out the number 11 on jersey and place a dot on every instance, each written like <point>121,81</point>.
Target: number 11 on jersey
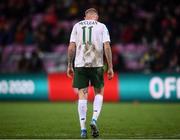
<point>89,30</point>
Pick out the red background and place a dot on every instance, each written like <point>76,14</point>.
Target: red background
<point>60,89</point>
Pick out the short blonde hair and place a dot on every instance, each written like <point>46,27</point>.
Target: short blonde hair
<point>91,10</point>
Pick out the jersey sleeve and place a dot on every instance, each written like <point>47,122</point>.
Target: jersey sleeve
<point>106,37</point>
<point>73,34</point>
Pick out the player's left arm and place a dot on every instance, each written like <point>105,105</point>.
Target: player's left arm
<point>71,55</point>
<point>108,54</point>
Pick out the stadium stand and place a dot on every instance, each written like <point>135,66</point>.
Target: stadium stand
<point>34,34</point>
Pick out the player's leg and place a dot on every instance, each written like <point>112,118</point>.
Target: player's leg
<point>81,82</point>
<point>98,101</point>
<point>98,83</point>
<point>97,105</point>
<point>82,109</point>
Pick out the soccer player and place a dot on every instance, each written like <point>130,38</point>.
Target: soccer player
<point>88,42</point>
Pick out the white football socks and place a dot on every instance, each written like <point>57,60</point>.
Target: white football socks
<point>98,101</point>
<point>82,109</point>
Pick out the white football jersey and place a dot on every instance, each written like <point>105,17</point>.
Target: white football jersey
<point>89,36</point>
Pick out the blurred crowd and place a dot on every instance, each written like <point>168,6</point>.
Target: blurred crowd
<point>144,34</point>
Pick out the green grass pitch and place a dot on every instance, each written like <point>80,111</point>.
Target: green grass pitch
<point>60,120</point>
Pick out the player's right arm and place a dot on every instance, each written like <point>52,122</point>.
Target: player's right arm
<point>71,55</point>
<point>71,52</point>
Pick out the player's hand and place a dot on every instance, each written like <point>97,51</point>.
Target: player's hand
<point>110,74</point>
<point>70,72</point>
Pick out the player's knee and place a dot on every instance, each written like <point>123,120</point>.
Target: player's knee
<point>99,91</point>
<point>83,93</point>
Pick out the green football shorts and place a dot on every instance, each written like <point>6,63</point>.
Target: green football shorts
<point>84,76</point>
